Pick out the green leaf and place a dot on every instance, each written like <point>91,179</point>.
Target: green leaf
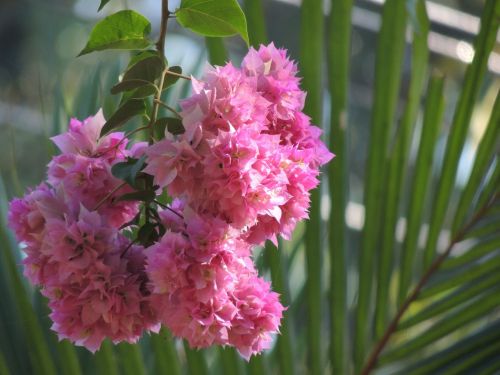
<point>38,351</point>
<point>412,7</point>
<point>172,124</point>
<point>464,294</point>
<point>147,234</point>
<point>484,231</point>
<point>4,370</point>
<point>311,56</point>
<point>130,359</point>
<point>148,68</point>
<point>196,362</point>
<point>128,110</point>
<point>229,359</point>
<point>458,319</point>
<point>488,146</point>
<point>339,48</point>
<point>482,338</point>
<point>490,366</point>
<point>171,79</point>
<point>256,365</point>
<point>105,361</point>
<point>68,358</point>
<point>142,55</point>
<point>388,65</point>
<point>143,196</point>
<point>491,186</point>
<point>254,12</point>
<point>478,251</point>
<point>128,170</point>
<point>467,363</point>
<point>274,257</point>
<point>473,79</point>
<point>123,30</point>
<point>457,279</point>
<point>133,84</point>
<point>213,17</point>
<point>142,73</point>
<point>102,4</point>
<point>217,53</point>
<point>165,353</point>
<point>433,114</point>
<point>398,166</point>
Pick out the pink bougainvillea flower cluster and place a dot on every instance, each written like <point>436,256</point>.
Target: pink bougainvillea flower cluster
<point>207,289</point>
<point>249,154</point>
<point>74,249</point>
<point>239,175</point>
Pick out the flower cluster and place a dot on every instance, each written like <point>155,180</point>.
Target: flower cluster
<point>249,153</point>
<point>240,174</point>
<point>74,249</point>
<point>207,289</point>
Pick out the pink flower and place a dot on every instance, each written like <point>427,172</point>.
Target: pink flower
<point>199,283</point>
<point>240,174</point>
<point>28,215</point>
<point>88,180</point>
<point>75,244</point>
<point>258,318</point>
<point>82,138</point>
<point>171,163</point>
<point>276,80</point>
<point>191,297</point>
<point>110,300</point>
<point>249,155</point>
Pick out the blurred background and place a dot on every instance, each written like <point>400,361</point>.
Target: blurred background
<point>43,84</point>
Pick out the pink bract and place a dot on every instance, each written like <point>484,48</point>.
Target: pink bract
<point>249,154</point>
<point>239,175</point>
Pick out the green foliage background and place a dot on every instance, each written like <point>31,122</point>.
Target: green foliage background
<point>449,289</point>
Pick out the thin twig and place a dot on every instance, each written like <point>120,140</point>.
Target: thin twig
<point>170,73</point>
<point>160,46</point>
<point>168,107</point>
<point>132,132</point>
<point>128,247</point>
<point>101,202</point>
<point>373,358</point>
<point>168,208</point>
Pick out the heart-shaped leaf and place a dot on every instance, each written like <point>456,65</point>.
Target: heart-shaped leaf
<point>213,17</point>
<point>143,73</point>
<point>128,170</point>
<point>129,109</point>
<point>147,234</point>
<point>123,30</point>
<point>172,124</point>
<point>133,84</point>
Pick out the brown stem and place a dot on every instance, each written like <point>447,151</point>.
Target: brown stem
<point>373,358</point>
<point>169,108</point>
<point>160,46</point>
<point>171,73</point>
<point>101,202</point>
<point>127,248</point>
<point>168,208</point>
